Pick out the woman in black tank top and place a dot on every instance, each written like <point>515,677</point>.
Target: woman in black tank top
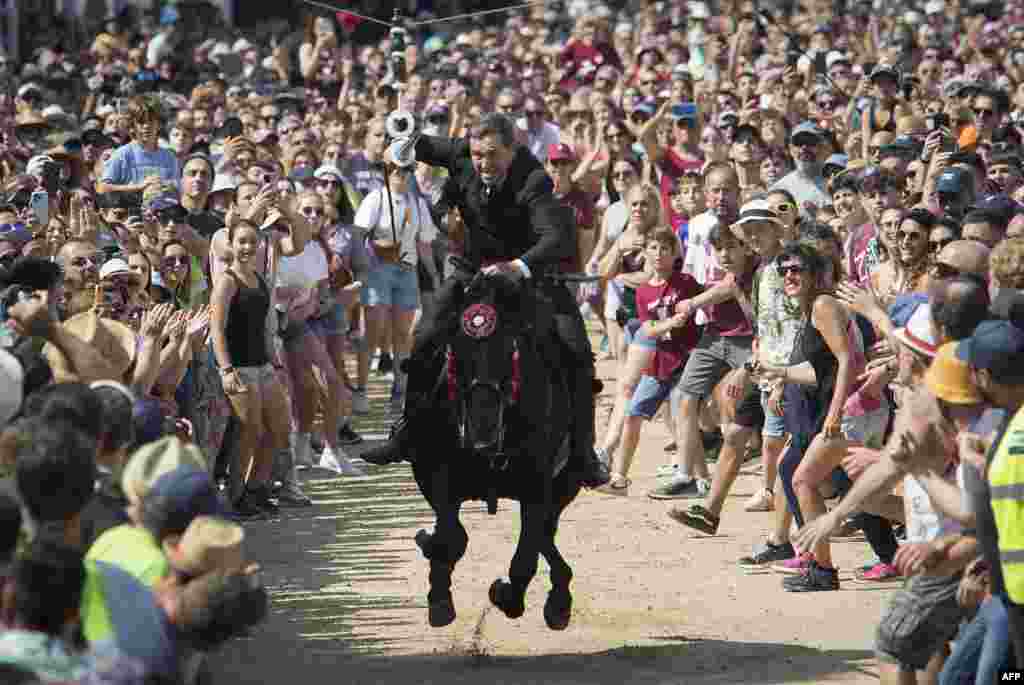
<point>238,322</point>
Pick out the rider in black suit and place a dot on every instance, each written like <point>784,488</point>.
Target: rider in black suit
<point>512,219</point>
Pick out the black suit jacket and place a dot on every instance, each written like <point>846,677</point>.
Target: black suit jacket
<point>522,220</point>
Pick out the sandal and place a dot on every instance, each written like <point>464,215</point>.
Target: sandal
<point>697,517</point>
<point>618,485</point>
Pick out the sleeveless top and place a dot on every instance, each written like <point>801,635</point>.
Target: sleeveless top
<point>631,263</point>
<point>246,329</point>
<point>807,406</point>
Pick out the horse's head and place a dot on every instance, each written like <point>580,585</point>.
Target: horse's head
<point>483,372</point>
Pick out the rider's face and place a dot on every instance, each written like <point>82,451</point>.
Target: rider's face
<point>491,158</point>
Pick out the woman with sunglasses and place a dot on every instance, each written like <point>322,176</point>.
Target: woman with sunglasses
<point>175,271</point>
<point>624,175</point>
<point>906,270</point>
<point>313,315</point>
<point>824,414</point>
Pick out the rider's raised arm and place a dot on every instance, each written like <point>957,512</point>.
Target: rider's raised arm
<point>439,151</point>
<point>552,221</point>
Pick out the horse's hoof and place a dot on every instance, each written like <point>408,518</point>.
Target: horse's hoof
<point>499,596</point>
<point>558,609</point>
<point>441,613</point>
<point>423,540</point>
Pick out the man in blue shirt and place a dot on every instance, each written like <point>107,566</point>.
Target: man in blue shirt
<point>133,166</point>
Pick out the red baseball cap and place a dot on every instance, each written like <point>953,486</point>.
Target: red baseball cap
<point>559,152</point>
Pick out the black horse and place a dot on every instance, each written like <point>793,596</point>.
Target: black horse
<point>499,429</point>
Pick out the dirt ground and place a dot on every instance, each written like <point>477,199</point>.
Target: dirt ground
<point>654,602</point>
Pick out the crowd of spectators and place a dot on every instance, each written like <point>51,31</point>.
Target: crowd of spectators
<point>808,223</point>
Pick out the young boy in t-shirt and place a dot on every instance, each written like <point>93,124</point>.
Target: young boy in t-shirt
<point>664,340</point>
<point>687,201</point>
<point>725,345</point>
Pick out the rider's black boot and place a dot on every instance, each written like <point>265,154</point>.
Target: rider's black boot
<point>400,446</point>
<point>592,471</point>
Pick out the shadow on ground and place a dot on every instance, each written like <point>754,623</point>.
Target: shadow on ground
<point>327,626</point>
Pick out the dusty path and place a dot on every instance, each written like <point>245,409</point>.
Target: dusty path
<point>654,602</point>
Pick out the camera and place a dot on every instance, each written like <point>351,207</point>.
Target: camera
<point>937,121</point>
<point>622,316</point>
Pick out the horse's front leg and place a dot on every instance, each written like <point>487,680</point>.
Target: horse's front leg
<point>534,513</point>
<point>443,548</point>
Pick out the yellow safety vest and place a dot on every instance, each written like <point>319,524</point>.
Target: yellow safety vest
<point>1006,481</point>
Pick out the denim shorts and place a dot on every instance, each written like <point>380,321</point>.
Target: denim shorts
<point>333,323</point>
<point>774,424</point>
<point>650,393</point>
<point>391,285</point>
<point>256,376</point>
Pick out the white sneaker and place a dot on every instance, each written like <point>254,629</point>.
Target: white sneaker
<point>703,487</point>
<point>761,500</point>
<point>360,403</point>
<point>339,463</point>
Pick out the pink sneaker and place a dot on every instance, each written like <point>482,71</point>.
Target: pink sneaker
<point>878,573</point>
<point>795,565</point>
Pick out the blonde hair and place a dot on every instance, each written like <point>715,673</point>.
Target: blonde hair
<point>1006,263</point>
<point>653,196</point>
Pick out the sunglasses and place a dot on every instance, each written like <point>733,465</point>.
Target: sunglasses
<point>937,245</point>
<point>943,271</point>
<point>617,135</point>
<point>329,183</point>
<point>171,216</point>
<point>623,173</point>
<point>786,269</point>
<point>313,211</point>
<point>172,262</point>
